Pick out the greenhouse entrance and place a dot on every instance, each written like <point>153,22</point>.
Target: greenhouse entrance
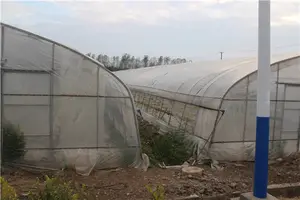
<point>291,115</point>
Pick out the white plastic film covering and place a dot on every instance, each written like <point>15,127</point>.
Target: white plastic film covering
<point>190,79</point>
<point>71,110</point>
<point>27,52</point>
<point>222,96</point>
<point>231,125</point>
<point>209,79</point>
<point>284,115</point>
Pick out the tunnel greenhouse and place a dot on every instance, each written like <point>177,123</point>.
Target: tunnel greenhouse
<point>72,111</point>
<point>214,102</point>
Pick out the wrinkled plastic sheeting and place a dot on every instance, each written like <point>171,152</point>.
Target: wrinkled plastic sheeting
<point>85,160</point>
<point>185,82</point>
<point>82,160</point>
<point>81,115</point>
<point>246,150</point>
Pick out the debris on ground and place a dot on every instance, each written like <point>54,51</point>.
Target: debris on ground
<point>192,170</point>
<point>163,166</point>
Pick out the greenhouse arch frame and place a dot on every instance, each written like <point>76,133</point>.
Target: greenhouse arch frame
<point>81,114</point>
<point>274,67</point>
<point>215,103</point>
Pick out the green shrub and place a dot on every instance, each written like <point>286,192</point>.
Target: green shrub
<point>56,189</point>
<point>171,149</point>
<point>13,143</point>
<point>7,192</point>
<point>148,136</point>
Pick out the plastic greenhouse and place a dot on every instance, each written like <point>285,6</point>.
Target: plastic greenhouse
<point>214,102</point>
<point>72,111</point>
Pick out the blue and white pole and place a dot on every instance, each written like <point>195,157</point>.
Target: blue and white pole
<point>263,102</point>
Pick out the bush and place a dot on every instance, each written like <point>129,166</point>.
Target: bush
<point>7,192</point>
<point>13,143</point>
<point>56,189</point>
<point>171,149</point>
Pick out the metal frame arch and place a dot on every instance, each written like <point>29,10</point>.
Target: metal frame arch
<point>98,64</point>
<point>273,65</point>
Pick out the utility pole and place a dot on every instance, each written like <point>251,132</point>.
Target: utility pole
<point>263,102</point>
<point>221,55</point>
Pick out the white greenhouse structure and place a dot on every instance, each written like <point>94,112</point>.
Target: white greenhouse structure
<point>72,110</point>
<point>214,102</point>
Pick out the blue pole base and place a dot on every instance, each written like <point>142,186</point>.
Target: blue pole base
<point>261,157</point>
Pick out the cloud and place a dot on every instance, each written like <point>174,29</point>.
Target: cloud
<point>105,12</point>
<point>284,12</point>
<point>156,13</point>
<point>15,12</point>
<point>154,27</point>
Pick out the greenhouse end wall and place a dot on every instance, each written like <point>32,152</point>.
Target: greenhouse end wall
<point>72,111</point>
<point>219,110</point>
<point>235,134</point>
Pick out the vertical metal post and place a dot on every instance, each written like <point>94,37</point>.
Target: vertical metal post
<point>148,105</point>
<point>246,109</point>
<point>97,107</point>
<point>275,109</point>
<point>182,116</point>
<point>298,138</point>
<point>51,89</point>
<point>1,90</point>
<point>263,102</point>
<point>172,104</point>
<point>282,111</point>
<point>143,102</point>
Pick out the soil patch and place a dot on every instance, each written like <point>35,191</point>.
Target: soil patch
<point>130,184</point>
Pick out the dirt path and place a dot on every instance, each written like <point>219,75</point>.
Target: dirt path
<point>129,184</point>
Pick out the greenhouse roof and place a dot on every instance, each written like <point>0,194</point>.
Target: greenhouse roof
<point>202,79</point>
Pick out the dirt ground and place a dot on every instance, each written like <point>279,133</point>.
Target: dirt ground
<point>129,184</point>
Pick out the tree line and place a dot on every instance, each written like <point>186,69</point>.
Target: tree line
<point>127,61</point>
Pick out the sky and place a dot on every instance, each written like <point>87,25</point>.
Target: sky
<point>195,30</point>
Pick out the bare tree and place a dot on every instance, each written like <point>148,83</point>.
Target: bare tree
<point>167,60</point>
<point>124,61</point>
<point>146,60</point>
<point>130,62</point>
<point>160,60</point>
<point>153,62</point>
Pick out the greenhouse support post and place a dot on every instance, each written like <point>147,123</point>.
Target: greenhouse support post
<point>263,102</point>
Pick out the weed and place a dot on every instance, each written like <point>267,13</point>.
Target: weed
<point>7,192</point>
<point>158,193</point>
<point>56,189</point>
